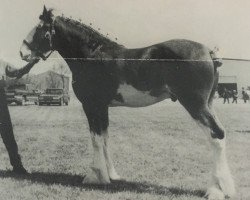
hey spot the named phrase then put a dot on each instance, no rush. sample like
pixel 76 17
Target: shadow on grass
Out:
pixel 116 186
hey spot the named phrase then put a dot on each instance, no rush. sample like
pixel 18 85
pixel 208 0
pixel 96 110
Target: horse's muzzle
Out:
pixel 25 53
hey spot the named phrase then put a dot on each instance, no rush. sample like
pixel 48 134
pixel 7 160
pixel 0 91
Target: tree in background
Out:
pixel 62 70
pixel 52 81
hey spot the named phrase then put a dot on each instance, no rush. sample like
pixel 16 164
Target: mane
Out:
pixel 81 30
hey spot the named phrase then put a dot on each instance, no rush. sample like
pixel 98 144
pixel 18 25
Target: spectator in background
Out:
pixel 244 95
pixel 235 96
pixel 226 95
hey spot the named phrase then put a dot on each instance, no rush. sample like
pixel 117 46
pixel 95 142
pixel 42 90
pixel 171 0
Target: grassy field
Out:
pixel 158 150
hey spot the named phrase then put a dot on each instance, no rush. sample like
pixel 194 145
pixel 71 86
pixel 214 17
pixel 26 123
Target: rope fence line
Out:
pixel 145 59
pixel 129 59
pixel 235 59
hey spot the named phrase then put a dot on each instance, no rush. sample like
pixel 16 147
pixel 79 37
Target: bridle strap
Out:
pixel 39 53
pixel 45 57
pixel 28 45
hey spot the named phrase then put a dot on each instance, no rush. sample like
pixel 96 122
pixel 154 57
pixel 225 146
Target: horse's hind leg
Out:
pixel 222 183
pixel 221 175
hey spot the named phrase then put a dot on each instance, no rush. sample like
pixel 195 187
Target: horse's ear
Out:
pixel 45 11
pixel 46 15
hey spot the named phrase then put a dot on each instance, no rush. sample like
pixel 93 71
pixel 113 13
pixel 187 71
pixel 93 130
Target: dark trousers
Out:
pixel 234 100
pixel 226 99
pixel 6 132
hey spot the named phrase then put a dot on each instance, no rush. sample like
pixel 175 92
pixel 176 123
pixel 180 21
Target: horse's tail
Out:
pixel 217 61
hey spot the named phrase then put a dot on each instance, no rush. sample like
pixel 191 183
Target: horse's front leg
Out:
pixel 110 165
pixel 102 169
pixel 98 173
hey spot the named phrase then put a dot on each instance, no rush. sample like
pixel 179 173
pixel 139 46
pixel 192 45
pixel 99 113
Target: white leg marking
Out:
pixel 221 175
pixel 222 183
pixel 213 193
pixel 99 173
pixel 110 165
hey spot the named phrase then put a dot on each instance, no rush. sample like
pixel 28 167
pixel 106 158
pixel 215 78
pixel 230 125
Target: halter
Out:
pixel 38 52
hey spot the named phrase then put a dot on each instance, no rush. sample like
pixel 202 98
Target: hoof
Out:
pixel 96 177
pixel 20 170
pixel 228 188
pixel 120 180
pixel 115 177
pixel 214 194
pixel 226 185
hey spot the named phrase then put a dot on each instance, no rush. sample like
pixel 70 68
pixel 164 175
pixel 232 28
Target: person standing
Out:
pixel 7 135
pixel 235 96
pixel 244 95
pixel 226 96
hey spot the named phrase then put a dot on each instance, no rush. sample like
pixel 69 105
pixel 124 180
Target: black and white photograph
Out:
pixel 124 100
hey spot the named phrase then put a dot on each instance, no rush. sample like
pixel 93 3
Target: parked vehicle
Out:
pixel 21 94
pixel 54 96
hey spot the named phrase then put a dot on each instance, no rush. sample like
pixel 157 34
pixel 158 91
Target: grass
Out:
pixel 159 151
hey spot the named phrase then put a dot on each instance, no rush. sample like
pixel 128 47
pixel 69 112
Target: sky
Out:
pixel 136 23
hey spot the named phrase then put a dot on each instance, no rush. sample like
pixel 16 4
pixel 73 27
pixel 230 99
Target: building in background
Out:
pixel 228 82
pixel 234 74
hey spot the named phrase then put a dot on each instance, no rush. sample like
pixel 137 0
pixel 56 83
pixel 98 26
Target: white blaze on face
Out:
pixel 25 52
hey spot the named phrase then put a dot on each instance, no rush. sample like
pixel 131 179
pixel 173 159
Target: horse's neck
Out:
pixel 72 43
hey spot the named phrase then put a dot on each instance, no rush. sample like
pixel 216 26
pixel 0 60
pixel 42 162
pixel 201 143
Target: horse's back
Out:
pixel 177 62
pixel 183 49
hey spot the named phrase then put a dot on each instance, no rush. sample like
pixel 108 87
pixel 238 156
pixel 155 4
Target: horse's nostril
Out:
pixel 21 54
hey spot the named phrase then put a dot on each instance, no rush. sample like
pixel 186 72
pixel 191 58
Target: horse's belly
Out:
pixel 129 96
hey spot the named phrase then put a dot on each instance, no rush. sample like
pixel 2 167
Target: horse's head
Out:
pixel 38 42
